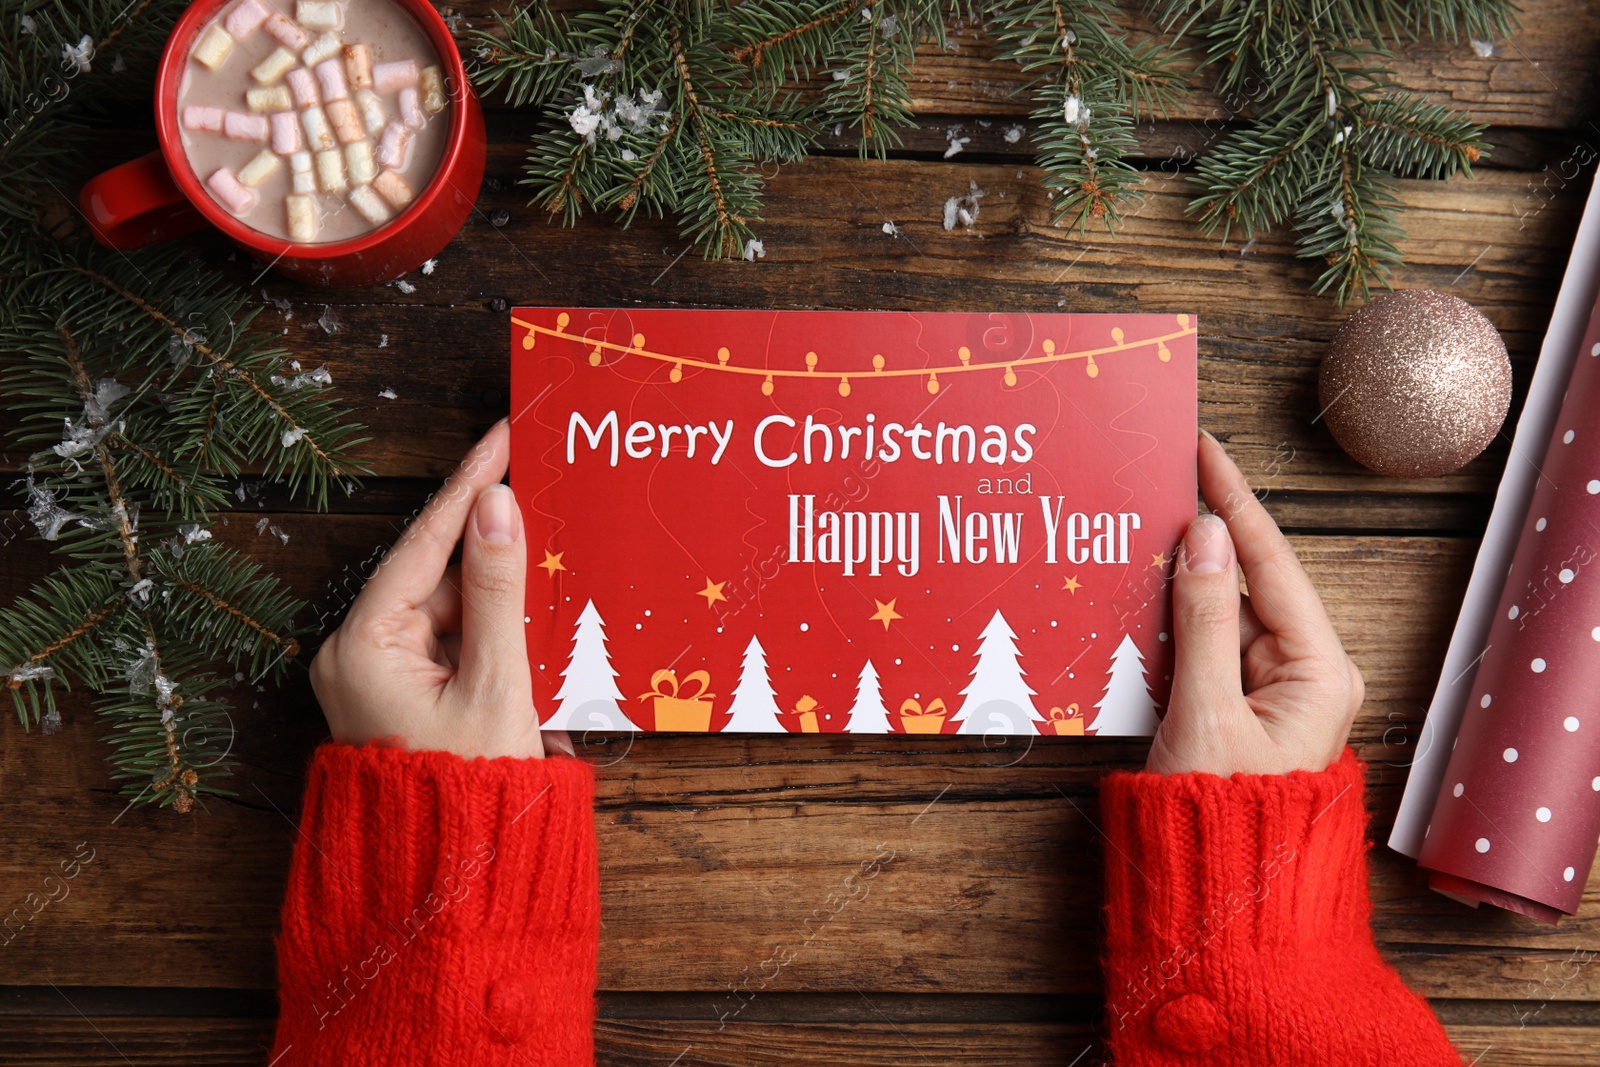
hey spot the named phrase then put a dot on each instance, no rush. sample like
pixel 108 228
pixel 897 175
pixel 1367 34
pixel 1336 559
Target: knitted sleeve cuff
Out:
pixel 1202 868
pixel 433 898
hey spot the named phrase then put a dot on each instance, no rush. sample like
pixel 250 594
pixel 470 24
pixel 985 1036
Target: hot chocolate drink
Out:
pixel 313 121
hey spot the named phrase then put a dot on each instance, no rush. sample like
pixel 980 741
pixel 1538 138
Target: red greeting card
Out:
pixel 863 522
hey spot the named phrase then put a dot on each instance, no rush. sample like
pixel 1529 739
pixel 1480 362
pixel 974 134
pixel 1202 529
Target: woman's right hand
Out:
pixel 1261 685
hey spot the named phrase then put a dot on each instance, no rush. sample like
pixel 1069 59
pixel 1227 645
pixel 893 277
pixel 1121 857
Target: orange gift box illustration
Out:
pixel 806 708
pixel 1063 722
pixel 680 711
pixel 916 719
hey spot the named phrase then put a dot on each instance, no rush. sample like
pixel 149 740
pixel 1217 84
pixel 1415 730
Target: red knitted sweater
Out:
pixel 444 912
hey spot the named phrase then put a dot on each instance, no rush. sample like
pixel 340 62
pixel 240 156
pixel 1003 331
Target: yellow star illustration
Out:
pixel 1159 560
pixel 886 613
pixel 552 563
pixel 712 592
pixel 1073 585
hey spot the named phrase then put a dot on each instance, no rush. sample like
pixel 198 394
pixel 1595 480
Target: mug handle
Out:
pixel 138 204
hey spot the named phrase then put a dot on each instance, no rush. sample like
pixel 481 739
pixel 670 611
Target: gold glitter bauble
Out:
pixel 1415 384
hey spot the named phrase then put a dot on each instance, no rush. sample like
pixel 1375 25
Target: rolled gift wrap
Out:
pixel 1517 814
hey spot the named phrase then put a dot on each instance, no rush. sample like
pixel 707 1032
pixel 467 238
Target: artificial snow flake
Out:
pixel 117 65
pixel 428 266
pixel 139 592
pixel 889 26
pixel 383 340
pixel 1333 102
pixel 292 437
pixel 328 320
pixel 891 229
pixel 51 724
pixel 388 393
pixel 754 250
pixel 261 525
pixel 404 286
pixel 23 673
pixel 320 376
pixel 28 25
pixel 192 532
pixel 79 54
pixel 1013 134
pixel 956 141
pixel 1483 49
pixel 963 209
pixel 629 155
pixel 1071 109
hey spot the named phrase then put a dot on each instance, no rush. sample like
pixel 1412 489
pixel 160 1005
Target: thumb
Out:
pixel 1205 609
pixel 494 567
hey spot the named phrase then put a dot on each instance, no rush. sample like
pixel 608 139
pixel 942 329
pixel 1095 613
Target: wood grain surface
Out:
pixel 977 943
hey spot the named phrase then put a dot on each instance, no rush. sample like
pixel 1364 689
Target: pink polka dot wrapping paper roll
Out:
pixel 1517 814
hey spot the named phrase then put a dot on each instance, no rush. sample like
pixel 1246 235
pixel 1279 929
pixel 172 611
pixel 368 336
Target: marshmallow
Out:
pixel 302 212
pixel 392 149
pixel 358 64
pixel 372 116
pixel 320 49
pixel 287 32
pixel 274 66
pixel 330 172
pixel 301 175
pixel 364 200
pixel 346 127
pixel 285 133
pixel 393 188
pixel 303 84
pixel 392 77
pixel 258 169
pixel 431 81
pixel 358 158
pixel 239 126
pixel 319 138
pixel 244 18
pixel 319 14
pixel 226 188
pixel 202 118
pixel 213 47
pixel 268 98
pixel 411 109
pixel 330 76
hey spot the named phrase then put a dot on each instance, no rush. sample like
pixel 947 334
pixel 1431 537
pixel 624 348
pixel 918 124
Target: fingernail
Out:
pixel 498 521
pixel 558 740
pixel 1207 434
pixel 1206 547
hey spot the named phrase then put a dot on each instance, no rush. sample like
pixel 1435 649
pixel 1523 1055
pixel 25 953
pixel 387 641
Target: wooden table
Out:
pixel 977 943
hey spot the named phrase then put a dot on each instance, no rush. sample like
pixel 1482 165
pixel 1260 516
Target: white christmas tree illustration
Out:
pixel 868 715
pixel 998 699
pixel 754 708
pixel 1127 709
pixel 587 699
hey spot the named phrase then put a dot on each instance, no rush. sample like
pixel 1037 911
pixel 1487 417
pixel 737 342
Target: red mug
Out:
pixel 159 197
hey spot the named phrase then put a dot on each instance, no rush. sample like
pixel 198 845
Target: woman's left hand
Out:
pixel 431 656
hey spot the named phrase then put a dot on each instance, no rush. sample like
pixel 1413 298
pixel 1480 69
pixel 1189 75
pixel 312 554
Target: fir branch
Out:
pixel 137 386
pixel 1332 130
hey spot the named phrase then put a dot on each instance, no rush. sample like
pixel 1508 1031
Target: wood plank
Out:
pixel 1493 240
pixel 1540 77
pixel 117 1041
pixel 705 838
